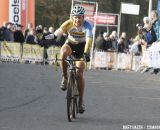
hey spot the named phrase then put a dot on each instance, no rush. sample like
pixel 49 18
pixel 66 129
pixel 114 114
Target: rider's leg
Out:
pixel 64 52
pixel 81 82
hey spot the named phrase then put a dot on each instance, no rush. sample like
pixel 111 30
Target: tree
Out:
pixel 54 12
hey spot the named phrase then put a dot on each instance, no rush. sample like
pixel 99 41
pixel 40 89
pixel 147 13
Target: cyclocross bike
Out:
pixel 72 88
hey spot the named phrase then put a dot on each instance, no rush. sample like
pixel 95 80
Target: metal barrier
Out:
pixel 26 53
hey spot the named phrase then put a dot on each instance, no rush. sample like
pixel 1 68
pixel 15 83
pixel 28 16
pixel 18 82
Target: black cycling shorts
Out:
pixel 77 49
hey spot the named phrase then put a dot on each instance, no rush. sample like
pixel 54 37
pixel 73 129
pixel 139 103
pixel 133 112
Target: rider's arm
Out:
pixel 63 28
pixel 89 36
pixel 88 44
pixel 60 31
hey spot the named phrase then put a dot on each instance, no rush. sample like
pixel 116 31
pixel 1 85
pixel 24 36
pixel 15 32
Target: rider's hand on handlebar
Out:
pixel 86 57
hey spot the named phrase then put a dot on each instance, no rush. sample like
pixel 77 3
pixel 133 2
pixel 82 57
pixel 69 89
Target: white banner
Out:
pixel 124 61
pixel 127 8
pixel 136 63
pixel 154 55
pixel 100 59
pixel 15 11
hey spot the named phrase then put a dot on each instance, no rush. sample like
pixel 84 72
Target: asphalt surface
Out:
pixel 30 99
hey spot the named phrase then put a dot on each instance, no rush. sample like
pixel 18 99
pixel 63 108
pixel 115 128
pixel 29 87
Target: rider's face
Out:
pixel 78 20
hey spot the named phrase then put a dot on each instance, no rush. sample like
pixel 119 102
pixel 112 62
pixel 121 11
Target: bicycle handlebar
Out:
pixel 69 60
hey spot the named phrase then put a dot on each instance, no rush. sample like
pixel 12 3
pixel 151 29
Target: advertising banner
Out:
pixel 10 50
pixel 154 55
pixel 52 52
pixel 24 8
pixel 127 8
pixel 89 9
pixel 32 53
pixel 103 18
pixel 15 11
pixel 111 60
pixel 124 61
pixel 18 11
pixel 136 63
pixel 100 60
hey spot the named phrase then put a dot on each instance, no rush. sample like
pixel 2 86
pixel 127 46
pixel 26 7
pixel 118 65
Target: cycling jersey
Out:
pixel 77 34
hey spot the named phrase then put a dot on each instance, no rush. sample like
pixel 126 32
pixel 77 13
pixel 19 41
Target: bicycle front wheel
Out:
pixel 70 99
pixel 76 95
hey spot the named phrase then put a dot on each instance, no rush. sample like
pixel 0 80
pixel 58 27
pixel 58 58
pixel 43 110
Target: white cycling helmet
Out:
pixel 77 10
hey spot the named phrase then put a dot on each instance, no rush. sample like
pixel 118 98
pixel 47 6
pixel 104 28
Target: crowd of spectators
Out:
pixel 111 42
pixel 36 36
pixel 148 32
pixel 14 33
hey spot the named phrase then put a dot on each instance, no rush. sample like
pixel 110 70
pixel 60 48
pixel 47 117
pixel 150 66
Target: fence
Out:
pixel 16 52
pixel 113 60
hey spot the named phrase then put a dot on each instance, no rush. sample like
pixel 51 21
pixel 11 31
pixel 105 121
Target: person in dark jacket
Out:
pixel 18 34
pixel 3 31
pixel 10 32
pixel 100 42
pixel 31 38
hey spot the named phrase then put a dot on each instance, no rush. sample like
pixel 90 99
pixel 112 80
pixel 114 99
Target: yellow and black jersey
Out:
pixel 77 34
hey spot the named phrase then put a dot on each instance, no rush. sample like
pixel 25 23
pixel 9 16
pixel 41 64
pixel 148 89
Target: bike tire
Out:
pixel 75 107
pixel 76 95
pixel 70 101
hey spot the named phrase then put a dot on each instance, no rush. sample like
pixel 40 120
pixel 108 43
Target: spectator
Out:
pixel 114 39
pixel 149 34
pixel 39 34
pixel 3 31
pixel 50 31
pixel 45 31
pixel 136 48
pixel 108 44
pixel 100 42
pixel 9 32
pixel 31 38
pixel 18 34
pixel 47 41
pixel 27 30
pixel 155 21
pixel 123 45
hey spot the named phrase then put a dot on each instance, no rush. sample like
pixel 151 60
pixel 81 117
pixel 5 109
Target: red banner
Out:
pixel 89 9
pixel 24 13
pixel 103 18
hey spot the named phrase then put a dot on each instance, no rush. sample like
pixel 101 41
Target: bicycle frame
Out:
pixel 72 87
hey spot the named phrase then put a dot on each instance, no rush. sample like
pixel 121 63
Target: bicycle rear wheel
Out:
pixel 70 99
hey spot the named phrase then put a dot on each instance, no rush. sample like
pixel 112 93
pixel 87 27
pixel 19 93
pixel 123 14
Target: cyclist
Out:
pixel 79 40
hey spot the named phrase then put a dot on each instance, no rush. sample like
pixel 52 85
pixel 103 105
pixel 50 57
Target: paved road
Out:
pixel 30 99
